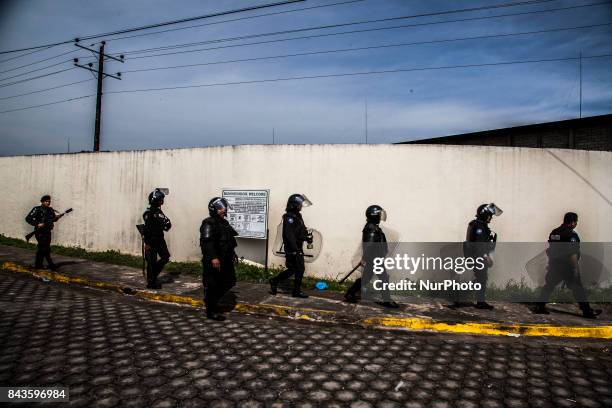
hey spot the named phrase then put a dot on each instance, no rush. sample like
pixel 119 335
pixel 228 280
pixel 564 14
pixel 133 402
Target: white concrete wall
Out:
pixel 430 192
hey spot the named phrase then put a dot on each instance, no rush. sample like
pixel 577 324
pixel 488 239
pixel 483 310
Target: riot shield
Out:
pixel 393 240
pixel 311 251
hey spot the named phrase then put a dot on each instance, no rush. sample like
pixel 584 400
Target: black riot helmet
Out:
pixel 485 211
pixel 375 214
pixel 297 201
pixel 218 203
pixel 156 197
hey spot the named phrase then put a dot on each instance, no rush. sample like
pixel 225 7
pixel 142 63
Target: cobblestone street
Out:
pixel 111 350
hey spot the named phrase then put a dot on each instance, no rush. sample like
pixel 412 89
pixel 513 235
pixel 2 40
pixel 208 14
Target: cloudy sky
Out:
pixel 406 104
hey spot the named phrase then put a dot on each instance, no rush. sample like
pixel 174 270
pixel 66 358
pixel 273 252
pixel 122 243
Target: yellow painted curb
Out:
pixel 416 324
pixel 499 329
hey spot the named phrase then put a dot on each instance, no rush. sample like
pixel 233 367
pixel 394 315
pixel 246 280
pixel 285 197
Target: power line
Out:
pixel 47 104
pixel 37 62
pixel 34 70
pixel 491 64
pixel 26 54
pixel 322 76
pixel 297 30
pixel 367 30
pixel 46 89
pixel 367 48
pixel 146 27
pixel 36 77
pixel 236 19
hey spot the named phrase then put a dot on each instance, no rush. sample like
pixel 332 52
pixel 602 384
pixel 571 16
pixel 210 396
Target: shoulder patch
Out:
pixel 573 239
pixel 290 220
pixel 479 231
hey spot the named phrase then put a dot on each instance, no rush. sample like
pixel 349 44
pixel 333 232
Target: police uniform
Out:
pixel 564 243
pixel 479 242
pixel 217 241
pixel 155 223
pixel 295 234
pixel 42 215
pixel 374 246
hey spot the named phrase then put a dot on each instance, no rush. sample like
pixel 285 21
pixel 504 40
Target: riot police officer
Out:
pixel 218 243
pixel 42 218
pixel 374 246
pixel 295 234
pixel 479 243
pixel 563 257
pixel 155 224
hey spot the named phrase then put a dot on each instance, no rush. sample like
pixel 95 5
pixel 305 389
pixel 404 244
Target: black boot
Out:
pixel 300 295
pixel 389 304
pixel 350 298
pixel 273 286
pixel 461 303
pixel 541 309
pixel 154 285
pixel 215 316
pixel 591 313
pixel 483 305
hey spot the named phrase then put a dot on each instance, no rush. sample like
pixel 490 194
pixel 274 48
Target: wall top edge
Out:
pixel 325 145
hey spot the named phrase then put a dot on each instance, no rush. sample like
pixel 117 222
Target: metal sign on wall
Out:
pixel 249 213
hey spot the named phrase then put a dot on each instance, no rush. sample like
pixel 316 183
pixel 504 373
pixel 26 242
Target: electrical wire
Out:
pixel 363 31
pixel 236 19
pixel 345 74
pixel 322 27
pixel 47 104
pixel 366 48
pixel 36 77
pixel 146 27
pixel 45 90
pixel 491 64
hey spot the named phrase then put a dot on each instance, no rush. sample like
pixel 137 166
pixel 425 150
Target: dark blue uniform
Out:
pixel 374 244
pixel 295 234
pixel 479 242
pixel 564 244
pixel 155 224
pixel 42 215
pixel 217 241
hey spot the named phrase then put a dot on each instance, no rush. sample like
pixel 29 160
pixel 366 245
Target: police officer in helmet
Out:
pixel 295 234
pixel 42 218
pixel 563 266
pixel 156 250
pixel 218 243
pixel 479 243
pixel 374 246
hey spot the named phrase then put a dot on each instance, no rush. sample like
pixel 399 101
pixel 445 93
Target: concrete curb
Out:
pixel 327 316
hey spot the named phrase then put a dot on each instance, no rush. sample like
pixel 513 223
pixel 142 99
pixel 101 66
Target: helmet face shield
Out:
pixel 494 210
pixel 165 191
pixel 383 215
pixel 221 203
pixel 305 201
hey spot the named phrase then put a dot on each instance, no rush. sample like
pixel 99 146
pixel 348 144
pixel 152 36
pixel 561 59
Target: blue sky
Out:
pixel 401 106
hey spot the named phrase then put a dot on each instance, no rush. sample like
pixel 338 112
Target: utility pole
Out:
pixel 366 120
pixel 580 84
pixel 101 56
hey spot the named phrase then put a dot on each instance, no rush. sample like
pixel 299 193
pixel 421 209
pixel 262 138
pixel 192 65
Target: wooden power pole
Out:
pixel 101 56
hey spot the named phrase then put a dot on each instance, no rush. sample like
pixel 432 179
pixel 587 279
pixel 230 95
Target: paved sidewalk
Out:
pixel 324 306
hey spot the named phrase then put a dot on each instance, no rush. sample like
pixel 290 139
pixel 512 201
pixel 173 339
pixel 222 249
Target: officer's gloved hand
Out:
pixel 167 224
